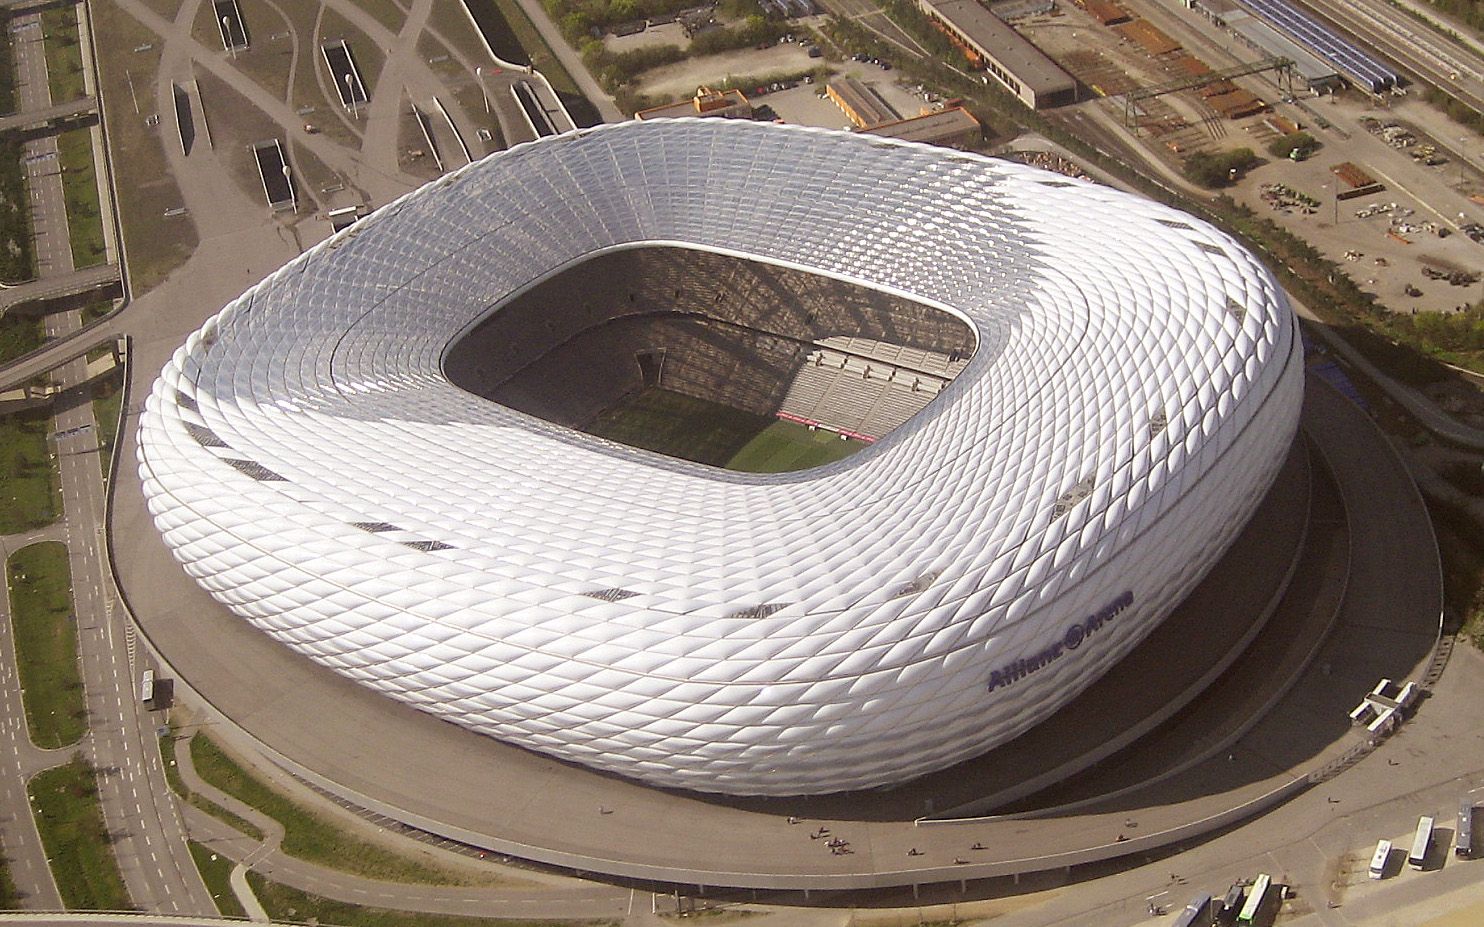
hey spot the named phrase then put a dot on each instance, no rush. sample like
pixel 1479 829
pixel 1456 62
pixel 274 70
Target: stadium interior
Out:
pixel 695 354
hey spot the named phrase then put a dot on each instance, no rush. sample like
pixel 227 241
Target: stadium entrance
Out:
pixel 712 358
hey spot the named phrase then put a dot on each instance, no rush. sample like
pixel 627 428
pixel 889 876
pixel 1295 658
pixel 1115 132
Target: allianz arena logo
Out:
pixel 1076 634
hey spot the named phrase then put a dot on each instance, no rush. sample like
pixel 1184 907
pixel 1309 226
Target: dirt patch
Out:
pixel 155 243
pixel 682 78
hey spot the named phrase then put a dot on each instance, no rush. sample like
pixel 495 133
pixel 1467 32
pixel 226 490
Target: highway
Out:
pixel 148 836
pixel 1410 45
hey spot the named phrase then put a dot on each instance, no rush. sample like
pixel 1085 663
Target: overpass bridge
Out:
pixel 56 117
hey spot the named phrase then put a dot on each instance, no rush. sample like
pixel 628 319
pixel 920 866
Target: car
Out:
pixel 814 51
pixel 886 65
pixel 485 135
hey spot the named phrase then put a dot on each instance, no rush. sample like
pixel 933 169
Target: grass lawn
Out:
pixel 40 584
pixel 9 897
pixel 216 870
pixel 541 56
pixel 178 786
pixel 17 257
pixel 680 426
pixel 289 904
pixel 108 393
pixel 785 446
pixel 20 333
pixel 308 835
pixel 65 800
pixel 7 79
pixel 96 310
pixel 80 190
pixel 29 494
pixel 63 53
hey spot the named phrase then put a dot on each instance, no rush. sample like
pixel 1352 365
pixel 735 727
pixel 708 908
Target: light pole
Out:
pixel 479 73
pixel 288 179
pixel 350 94
pixel 227 36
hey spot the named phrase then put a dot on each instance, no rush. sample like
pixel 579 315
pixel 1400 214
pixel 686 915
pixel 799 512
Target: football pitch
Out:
pixel 785 446
pixel 711 433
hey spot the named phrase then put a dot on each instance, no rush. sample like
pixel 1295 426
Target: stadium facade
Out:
pixel 1134 385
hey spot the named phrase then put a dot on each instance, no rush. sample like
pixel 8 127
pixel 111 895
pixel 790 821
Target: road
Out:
pixel 147 832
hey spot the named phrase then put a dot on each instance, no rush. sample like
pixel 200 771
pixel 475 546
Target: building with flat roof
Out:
pixel 954 127
pixel 725 104
pixel 1317 74
pixel 860 102
pixel 1010 58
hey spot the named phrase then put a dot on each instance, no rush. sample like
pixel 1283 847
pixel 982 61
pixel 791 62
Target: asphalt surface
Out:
pixel 146 831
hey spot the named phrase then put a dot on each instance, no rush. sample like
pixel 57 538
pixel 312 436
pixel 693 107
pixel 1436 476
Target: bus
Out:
pixel 147 689
pixel 1255 899
pixel 1195 913
pixel 1380 858
pixel 1463 845
pixel 1421 843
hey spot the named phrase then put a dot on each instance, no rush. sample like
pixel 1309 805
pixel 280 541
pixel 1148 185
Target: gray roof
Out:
pixel 1010 49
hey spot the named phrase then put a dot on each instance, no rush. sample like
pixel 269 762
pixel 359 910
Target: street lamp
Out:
pixel 350 94
pixel 479 73
pixel 227 36
pixel 288 179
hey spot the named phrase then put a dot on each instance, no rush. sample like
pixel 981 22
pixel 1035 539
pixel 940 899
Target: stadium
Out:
pixel 730 457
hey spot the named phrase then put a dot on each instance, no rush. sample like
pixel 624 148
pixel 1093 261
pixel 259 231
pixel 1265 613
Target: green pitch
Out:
pixel 785 446
pixel 711 433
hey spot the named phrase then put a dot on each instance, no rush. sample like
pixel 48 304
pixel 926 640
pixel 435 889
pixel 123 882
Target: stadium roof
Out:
pixel 1135 386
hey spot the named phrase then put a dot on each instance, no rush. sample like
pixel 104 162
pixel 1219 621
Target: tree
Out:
pixel 1285 145
pixel 1218 169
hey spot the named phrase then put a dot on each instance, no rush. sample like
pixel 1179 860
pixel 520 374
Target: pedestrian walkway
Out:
pixel 526 893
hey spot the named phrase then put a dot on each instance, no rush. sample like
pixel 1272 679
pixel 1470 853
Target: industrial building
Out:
pixel 1004 54
pixel 721 104
pixel 951 127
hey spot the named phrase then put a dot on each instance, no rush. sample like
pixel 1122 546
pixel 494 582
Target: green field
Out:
pixel 711 433
pixel 786 446
pixel 20 333
pixel 290 904
pixel 108 393
pixel 680 426
pixel 29 493
pixel 65 799
pixel 40 584
pixel 216 872
pixel 80 191
pixel 311 837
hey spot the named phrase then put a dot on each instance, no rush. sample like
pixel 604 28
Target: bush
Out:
pixel 16 262
pixel 1218 169
pixel 755 30
pixel 1285 145
pixel 1456 109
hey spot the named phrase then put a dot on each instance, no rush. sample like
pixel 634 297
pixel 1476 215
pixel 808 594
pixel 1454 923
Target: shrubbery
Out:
pixel 16 261
pixel 1285 145
pixel 1218 169
pixel 1456 109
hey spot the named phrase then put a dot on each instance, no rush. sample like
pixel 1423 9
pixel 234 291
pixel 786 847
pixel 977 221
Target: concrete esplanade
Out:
pixel 1286 585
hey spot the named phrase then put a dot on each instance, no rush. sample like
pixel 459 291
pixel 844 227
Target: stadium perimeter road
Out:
pixel 530 806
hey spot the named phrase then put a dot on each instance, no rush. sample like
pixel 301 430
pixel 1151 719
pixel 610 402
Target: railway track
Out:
pixel 1410 45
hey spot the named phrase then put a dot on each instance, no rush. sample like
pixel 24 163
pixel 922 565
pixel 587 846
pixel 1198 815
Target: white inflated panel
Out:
pixel 1135 387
